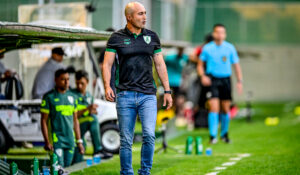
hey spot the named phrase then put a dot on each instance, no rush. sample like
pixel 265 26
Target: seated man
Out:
pixel 87 116
pixel 59 108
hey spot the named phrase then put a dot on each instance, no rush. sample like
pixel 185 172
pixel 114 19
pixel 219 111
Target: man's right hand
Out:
pixel 205 80
pixel 81 148
pixel 48 147
pixel 109 94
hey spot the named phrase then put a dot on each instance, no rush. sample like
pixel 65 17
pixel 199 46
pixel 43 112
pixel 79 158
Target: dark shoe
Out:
pixel 103 154
pixel 225 138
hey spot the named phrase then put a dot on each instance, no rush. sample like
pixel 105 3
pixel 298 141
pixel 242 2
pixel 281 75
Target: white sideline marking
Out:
pixel 233 160
pixel 212 173
pixel 244 155
pixel 220 168
pixel 228 163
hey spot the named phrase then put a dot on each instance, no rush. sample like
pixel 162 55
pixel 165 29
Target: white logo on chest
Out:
pixel 71 99
pixel 147 39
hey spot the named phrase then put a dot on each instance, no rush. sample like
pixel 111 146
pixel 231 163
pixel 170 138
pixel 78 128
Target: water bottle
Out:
pixel 189 145
pixel 35 167
pixel 199 146
pixel 54 164
pixel 13 169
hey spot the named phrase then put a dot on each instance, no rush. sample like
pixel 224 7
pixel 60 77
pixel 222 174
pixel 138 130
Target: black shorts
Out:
pixel 220 88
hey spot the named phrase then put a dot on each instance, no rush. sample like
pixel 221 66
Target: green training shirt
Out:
pixel 60 108
pixel 83 102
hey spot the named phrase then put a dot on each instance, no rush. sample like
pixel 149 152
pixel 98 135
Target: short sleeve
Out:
pixel 111 45
pixel 157 45
pixel 76 104
pixel 234 56
pixel 45 106
pixel 203 55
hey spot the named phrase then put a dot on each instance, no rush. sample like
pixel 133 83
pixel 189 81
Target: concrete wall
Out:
pixel 272 73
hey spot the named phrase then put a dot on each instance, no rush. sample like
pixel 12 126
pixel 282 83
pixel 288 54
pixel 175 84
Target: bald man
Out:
pixel 136 48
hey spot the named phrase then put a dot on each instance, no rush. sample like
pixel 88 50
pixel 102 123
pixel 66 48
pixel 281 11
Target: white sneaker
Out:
pixel 213 140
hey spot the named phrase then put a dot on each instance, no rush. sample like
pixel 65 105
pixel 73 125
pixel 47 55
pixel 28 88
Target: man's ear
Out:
pixel 129 17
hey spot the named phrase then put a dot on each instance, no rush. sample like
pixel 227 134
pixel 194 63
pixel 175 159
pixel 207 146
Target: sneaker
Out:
pixel 62 171
pixel 225 138
pixel 27 145
pixel 103 154
pixel 213 140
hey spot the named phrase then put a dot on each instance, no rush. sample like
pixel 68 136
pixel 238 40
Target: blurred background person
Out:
pixel 198 91
pixel 202 97
pixel 219 56
pixel 175 64
pixel 44 79
pixel 198 50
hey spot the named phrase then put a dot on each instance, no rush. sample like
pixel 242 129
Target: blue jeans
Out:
pixel 129 105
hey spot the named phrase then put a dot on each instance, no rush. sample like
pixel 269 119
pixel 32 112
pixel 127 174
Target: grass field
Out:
pixel 272 149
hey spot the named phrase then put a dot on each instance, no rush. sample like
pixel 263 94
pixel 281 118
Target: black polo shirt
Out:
pixel 135 53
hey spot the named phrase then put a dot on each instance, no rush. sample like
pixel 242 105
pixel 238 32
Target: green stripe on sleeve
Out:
pixel 45 110
pixel 157 51
pixel 110 50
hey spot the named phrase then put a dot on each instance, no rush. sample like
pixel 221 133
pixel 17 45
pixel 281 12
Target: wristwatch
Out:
pixel 79 141
pixel 168 92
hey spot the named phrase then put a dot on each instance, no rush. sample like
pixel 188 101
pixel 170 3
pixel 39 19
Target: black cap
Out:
pixel 58 50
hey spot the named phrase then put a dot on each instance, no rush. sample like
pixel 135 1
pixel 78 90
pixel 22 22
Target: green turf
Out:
pixel 273 149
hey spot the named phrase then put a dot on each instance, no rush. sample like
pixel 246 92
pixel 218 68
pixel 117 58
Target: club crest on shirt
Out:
pixel 147 39
pixel 224 58
pixel 71 99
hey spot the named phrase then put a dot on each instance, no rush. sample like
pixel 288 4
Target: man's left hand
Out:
pixel 168 101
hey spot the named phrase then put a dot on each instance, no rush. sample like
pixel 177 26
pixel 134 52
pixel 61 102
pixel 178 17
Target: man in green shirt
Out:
pixel 87 111
pixel 59 120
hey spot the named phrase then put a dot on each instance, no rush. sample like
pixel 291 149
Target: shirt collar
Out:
pixel 130 33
